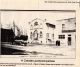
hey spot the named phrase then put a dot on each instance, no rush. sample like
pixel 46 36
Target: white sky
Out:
pixel 21 19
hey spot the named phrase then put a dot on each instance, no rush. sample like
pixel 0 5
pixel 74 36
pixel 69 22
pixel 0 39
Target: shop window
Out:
pixel 61 36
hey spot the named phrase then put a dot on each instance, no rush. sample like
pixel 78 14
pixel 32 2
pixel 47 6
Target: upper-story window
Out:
pixel 41 34
pixel 63 26
pixel 36 23
pixel 47 35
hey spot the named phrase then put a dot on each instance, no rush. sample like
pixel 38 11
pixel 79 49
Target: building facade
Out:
pixel 66 31
pixel 41 32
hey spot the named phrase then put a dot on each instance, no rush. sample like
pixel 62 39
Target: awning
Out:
pixel 66 31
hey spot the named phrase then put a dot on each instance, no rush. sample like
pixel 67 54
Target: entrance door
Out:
pixel 69 40
pixel 35 35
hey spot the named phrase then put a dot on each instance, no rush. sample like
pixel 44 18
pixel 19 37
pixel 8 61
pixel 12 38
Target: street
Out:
pixel 58 51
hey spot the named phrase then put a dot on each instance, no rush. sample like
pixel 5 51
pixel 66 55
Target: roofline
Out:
pixel 66 19
pixel 36 19
pixel 41 20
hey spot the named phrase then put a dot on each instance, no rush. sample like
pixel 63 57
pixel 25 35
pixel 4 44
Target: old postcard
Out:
pixel 39 33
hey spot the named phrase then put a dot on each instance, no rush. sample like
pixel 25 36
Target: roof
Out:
pixel 50 25
pixel 37 19
pixel 66 19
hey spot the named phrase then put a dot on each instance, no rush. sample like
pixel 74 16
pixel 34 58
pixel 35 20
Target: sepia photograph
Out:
pixel 39 32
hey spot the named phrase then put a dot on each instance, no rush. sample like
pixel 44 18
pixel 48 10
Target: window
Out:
pixel 61 36
pixel 36 23
pixel 31 35
pixel 47 35
pixel 53 36
pixel 75 24
pixel 69 35
pixel 40 34
pixel 41 41
pixel 63 26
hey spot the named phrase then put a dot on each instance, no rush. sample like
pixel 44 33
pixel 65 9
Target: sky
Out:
pixel 21 18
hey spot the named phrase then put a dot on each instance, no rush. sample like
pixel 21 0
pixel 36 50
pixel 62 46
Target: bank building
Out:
pixel 41 32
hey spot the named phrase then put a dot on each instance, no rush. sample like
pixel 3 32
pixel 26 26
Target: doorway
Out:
pixel 35 35
pixel 69 40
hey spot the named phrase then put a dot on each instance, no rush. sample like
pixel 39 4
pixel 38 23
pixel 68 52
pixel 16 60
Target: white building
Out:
pixel 41 32
pixel 66 31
